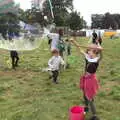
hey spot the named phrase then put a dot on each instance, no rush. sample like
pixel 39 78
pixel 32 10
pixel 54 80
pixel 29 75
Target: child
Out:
pixel 88 82
pixel 15 58
pixel 68 47
pixel 54 63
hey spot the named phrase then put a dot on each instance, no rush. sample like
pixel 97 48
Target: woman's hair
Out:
pixel 55 51
pixel 60 31
pixel 66 40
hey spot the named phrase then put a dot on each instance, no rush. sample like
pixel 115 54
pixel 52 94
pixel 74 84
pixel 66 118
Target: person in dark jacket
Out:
pixel 15 58
pixel 94 37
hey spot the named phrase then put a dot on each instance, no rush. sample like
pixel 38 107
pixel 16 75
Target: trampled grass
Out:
pixel 28 94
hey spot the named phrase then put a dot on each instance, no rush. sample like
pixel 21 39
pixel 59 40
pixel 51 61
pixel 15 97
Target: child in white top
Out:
pixel 54 64
pixel 55 40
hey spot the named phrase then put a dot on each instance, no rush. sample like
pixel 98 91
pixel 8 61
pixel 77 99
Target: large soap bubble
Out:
pixel 29 40
pixel 30 36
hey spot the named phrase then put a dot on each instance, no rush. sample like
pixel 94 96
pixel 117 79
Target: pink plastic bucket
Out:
pixel 76 113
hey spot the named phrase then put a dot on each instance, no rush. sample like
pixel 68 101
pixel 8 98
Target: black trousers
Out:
pixel 55 75
pixel 91 104
pixel 69 51
pixel 15 60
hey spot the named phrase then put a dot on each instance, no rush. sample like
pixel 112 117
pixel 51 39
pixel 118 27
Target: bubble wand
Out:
pixel 91 46
pixel 51 8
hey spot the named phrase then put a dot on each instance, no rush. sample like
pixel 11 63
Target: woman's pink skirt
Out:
pixel 89 84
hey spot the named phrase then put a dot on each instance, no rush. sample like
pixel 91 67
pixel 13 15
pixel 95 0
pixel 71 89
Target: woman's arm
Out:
pixel 92 46
pixel 101 56
pixel 78 46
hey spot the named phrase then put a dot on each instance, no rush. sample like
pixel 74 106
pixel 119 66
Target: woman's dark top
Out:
pixel 13 53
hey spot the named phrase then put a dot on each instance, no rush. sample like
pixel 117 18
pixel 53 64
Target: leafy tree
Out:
pixel 76 22
pixel 109 21
pixel 117 19
pixel 33 15
pixel 106 21
pixel 8 19
pixel 97 20
pixel 60 10
pixel 9 23
pixel 3 25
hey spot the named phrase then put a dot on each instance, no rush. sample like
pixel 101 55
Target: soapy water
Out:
pixel 29 40
pixel 24 42
pixel 20 44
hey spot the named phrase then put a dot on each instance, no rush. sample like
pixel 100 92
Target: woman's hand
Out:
pixel 75 43
pixel 93 46
pixel 100 48
pixel 72 40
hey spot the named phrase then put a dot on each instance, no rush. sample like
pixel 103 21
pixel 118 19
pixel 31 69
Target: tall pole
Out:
pixel 51 8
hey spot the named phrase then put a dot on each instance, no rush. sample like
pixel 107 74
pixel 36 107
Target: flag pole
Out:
pixel 51 8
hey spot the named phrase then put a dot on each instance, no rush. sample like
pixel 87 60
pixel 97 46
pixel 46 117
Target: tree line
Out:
pixel 63 10
pixel 106 21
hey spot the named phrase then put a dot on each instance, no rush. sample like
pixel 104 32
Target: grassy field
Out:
pixel 28 94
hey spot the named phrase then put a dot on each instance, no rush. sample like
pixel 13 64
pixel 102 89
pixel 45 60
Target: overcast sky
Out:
pixel 87 7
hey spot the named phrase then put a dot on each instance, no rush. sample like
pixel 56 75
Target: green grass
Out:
pixel 28 94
